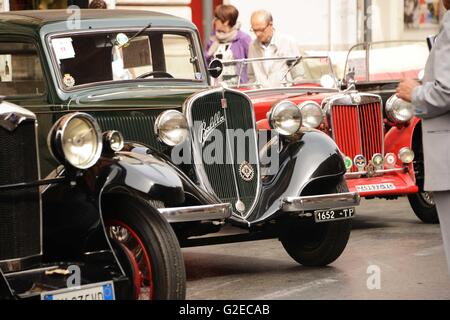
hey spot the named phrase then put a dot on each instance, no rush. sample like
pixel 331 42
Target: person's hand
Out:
pixel 405 89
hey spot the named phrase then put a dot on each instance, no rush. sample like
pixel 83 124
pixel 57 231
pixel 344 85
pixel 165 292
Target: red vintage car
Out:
pixel 377 133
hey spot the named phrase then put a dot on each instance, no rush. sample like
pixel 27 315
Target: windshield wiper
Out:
pixel 137 34
pixel 291 63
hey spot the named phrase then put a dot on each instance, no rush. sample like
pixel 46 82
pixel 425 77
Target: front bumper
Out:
pixel 396 182
pixel 197 213
pixel 322 202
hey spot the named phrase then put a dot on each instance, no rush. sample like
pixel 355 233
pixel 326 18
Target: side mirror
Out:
pixel 215 68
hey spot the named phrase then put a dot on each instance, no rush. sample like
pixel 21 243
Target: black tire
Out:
pixel 424 209
pixel 153 242
pixel 420 202
pixel 317 244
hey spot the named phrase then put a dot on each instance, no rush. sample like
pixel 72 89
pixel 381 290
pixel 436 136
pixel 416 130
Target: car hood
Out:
pixel 134 96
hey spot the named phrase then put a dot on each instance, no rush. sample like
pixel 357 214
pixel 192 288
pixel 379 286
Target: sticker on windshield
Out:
pixel 63 48
pixel 69 81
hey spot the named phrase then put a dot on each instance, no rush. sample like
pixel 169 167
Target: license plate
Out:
pixel 97 291
pixel 375 187
pixel 333 215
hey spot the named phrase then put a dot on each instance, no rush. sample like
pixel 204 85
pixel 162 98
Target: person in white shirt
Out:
pixel 270 44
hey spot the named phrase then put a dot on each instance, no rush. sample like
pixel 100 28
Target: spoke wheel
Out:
pixel 153 251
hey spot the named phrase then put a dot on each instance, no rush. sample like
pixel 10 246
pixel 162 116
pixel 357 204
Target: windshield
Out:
pixel 279 72
pixel 90 57
pixel 387 61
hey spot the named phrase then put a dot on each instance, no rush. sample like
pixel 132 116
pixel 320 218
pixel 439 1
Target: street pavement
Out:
pixel 390 255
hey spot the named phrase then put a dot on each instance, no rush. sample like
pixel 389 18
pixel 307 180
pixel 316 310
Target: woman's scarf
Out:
pixel 222 37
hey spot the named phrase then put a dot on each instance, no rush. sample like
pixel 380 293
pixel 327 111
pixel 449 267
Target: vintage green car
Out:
pixel 192 152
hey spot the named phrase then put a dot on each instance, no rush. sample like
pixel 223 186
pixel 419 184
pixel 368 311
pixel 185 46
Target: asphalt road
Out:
pixel 390 255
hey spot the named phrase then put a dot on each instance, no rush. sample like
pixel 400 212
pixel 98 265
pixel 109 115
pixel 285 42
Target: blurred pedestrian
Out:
pixel 228 43
pixel 432 102
pixel 271 44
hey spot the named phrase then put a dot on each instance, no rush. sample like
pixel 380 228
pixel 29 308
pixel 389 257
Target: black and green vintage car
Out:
pixel 192 152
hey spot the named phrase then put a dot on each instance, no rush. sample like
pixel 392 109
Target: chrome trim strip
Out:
pixel 12 274
pixel 39 190
pixel 295 90
pixel 198 158
pixel 14 265
pixel 197 213
pixel 362 173
pixel 322 202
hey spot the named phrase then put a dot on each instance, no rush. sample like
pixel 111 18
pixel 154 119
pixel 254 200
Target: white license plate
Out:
pixel 333 215
pixel 97 291
pixel 375 187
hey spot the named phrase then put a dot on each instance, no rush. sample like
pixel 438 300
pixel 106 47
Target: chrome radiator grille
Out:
pixel 20 212
pixel 225 178
pixel 358 129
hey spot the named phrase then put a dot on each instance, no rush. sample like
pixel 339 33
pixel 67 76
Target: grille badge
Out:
pixel 240 206
pixel 246 171
pixel 360 162
pixel 356 98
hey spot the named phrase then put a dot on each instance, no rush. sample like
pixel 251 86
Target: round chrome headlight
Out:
pixel 406 155
pixel 286 118
pixel 76 139
pixel 312 114
pixel 172 128
pixel 398 110
pixel 113 141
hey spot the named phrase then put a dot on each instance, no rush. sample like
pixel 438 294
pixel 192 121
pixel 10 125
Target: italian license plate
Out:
pixel 333 215
pixel 375 187
pixel 97 291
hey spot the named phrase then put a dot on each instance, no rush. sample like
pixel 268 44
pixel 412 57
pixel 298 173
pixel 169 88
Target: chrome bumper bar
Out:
pixel 350 175
pixel 197 213
pixel 322 202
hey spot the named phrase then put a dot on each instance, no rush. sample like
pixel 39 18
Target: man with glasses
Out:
pixel 270 44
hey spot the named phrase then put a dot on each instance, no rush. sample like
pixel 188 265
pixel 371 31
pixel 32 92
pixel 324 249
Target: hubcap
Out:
pixel 129 239
pixel 428 198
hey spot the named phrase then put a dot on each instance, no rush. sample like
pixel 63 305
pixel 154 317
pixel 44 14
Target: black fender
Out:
pixel 309 165
pixel 153 176
pixel 72 223
pixel 143 174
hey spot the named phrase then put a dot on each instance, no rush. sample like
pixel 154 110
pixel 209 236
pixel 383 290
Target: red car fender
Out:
pixel 398 138
pixel 263 125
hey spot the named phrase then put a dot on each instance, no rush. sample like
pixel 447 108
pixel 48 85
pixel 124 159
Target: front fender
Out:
pixel 310 165
pixel 397 138
pixel 144 174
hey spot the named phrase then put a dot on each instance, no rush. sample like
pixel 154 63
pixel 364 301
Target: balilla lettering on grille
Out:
pixel 229 146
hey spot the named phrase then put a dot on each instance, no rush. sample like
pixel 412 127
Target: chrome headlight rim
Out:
pixel 57 136
pixel 394 106
pixel 406 155
pixel 163 119
pixel 305 117
pixel 276 119
pixel 113 141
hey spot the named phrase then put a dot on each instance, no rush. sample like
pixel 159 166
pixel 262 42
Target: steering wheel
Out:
pixel 162 74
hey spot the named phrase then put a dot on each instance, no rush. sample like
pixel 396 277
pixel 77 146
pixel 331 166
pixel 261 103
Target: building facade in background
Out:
pixel 316 25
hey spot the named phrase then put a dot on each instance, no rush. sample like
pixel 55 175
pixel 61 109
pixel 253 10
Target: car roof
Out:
pixel 36 19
